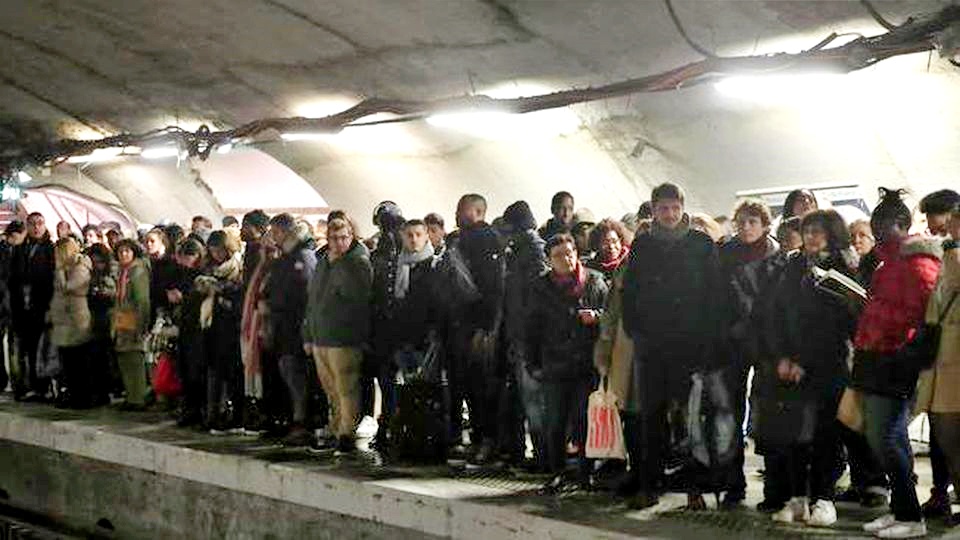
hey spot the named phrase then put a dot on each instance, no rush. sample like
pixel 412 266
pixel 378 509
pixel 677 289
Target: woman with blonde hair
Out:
pixel 71 322
pixel 707 225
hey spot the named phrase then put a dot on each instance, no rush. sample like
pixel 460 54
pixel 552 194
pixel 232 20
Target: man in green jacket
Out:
pixel 337 326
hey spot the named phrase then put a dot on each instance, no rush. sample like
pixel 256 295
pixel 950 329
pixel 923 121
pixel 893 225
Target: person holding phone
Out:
pixel 562 325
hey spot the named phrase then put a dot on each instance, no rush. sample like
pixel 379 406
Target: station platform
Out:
pixel 109 474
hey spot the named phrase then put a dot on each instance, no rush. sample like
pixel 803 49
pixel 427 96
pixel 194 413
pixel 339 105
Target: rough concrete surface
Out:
pixel 155 480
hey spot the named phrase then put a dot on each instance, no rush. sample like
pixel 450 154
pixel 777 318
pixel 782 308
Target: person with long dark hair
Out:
pixel 899 291
pixel 809 328
pixel 799 203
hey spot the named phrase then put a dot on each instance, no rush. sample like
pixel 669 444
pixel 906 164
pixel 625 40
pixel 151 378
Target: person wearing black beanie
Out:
pixel 525 262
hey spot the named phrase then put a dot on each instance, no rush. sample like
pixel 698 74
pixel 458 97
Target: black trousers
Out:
pixel 28 338
pixel 938 462
pixel 78 373
pixel 737 377
pixel 566 405
pixel 945 427
pixel 663 379
pixel 192 371
pixel 476 377
pixel 224 381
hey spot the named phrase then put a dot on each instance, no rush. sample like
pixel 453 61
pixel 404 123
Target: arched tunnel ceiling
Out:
pixel 83 67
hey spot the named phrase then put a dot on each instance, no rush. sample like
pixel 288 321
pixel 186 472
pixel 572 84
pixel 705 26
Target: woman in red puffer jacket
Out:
pixel 899 291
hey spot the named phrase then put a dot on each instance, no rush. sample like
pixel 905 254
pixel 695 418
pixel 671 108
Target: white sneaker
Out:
pixel 880 523
pixel 822 514
pixel 795 511
pixel 904 529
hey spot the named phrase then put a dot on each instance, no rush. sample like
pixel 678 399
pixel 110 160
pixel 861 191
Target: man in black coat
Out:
pixel 286 296
pixel 671 309
pixel 525 262
pixel 475 370
pixel 14 235
pixel 31 290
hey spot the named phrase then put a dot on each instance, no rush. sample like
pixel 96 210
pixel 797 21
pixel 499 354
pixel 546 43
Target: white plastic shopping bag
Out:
pixel 604 431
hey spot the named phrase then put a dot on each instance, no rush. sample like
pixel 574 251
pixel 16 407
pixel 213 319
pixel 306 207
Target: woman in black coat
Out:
pixel 562 326
pixel 808 333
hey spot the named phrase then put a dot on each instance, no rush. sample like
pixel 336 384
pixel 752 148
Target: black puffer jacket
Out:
pixel 673 294
pixel 525 262
pixel 419 311
pixel 286 293
pixel 558 346
pixel 810 326
pixel 482 251
pixel 745 273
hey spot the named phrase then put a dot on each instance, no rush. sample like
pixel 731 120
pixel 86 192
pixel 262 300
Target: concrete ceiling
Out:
pixel 88 67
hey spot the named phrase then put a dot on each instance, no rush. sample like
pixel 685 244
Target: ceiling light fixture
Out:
pixel 306 136
pixel 160 152
pixel 97 156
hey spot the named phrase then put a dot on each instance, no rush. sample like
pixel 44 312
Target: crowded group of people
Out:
pixel 283 328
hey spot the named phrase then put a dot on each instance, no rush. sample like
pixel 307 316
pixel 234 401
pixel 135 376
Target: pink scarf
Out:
pixel 573 283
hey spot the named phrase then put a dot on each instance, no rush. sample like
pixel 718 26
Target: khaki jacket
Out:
pixel 613 351
pixel 938 387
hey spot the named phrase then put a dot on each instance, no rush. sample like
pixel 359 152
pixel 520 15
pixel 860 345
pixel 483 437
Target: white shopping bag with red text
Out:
pixel 604 431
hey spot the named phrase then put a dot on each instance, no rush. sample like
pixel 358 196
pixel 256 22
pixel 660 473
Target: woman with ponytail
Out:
pixel 899 291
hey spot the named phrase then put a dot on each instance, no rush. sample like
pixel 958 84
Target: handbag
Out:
pixel 850 410
pixel 164 378
pixel 604 430
pixel 125 320
pixel 920 353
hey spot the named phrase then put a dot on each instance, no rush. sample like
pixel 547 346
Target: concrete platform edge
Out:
pixel 364 500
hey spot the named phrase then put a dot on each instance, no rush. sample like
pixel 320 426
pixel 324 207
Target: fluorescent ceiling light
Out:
pixel 500 125
pixel 160 152
pixel 23 177
pixel 785 88
pixel 98 155
pixel 10 193
pixel 307 136
pixel 480 119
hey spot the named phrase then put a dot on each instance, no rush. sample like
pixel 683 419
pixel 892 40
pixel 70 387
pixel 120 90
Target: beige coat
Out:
pixel 613 351
pixel 939 388
pixel 69 315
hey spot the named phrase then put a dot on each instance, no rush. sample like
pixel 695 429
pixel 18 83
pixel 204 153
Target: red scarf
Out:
pixel 609 266
pixel 573 283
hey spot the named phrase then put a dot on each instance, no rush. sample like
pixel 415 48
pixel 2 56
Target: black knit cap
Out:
pixel 258 219
pixel 519 216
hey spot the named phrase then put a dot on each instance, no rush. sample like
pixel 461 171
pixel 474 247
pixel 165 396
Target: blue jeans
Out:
pixel 886 431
